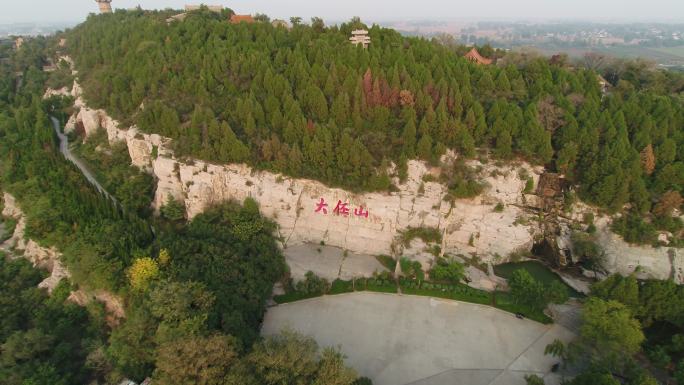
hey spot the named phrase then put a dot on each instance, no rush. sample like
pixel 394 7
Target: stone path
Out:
pixel 399 339
pixel 64 149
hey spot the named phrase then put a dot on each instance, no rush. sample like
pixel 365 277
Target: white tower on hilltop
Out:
pixel 105 6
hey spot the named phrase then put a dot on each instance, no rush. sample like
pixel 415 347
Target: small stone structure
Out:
pixel 360 36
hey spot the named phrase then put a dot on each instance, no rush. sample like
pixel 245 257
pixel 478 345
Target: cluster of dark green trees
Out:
pixel 623 317
pixel 133 188
pixel 194 292
pixel 307 103
pixel 528 291
pixel 43 339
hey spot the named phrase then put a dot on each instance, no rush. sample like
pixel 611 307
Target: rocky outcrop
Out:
pixel 50 259
pixel 645 261
pixel 64 91
pixel 470 227
pixel 40 257
pixel 113 305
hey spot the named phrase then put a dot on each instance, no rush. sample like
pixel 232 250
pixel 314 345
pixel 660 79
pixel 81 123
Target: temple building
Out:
pixel 237 19
pixel 475 57
pixel 360 36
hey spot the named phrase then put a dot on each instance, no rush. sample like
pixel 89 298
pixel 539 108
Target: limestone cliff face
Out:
pixel 469 226
pixel 643 261
pixel 40 257
pixel 50 259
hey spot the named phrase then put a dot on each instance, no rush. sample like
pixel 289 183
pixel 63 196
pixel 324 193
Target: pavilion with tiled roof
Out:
pixel 237 19
pixel 475 57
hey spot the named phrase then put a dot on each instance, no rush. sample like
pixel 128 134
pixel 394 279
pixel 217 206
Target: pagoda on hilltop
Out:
pixel 360 36
pixel 475 57
pixel 105 6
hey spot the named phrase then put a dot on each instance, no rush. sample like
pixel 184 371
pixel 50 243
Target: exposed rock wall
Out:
pixel 645 261
pixel 469 226
pixel 50 259
pixel 41 257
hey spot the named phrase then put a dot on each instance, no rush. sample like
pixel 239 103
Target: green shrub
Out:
pixel 173 210
pixel 387 261
pixel 449 271
pixel 634 229
pixel 312 284
pixel 411 269
pixel 10 224
pixel 585 247
pixel 339 286
pixel 529 186
pixel 658 356
pixel 427 234
pixel 461 180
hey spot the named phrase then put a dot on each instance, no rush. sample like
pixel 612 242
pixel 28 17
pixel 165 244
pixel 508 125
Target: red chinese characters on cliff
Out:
pixel 341 209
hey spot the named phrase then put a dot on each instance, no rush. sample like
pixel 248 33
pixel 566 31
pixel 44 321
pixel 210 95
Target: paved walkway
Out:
pixel 399 339
pixel 64 149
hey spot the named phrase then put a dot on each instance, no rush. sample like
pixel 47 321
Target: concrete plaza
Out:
pixel 398 339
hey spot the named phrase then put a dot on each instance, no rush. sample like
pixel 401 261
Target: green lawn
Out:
pixel 293 297
pixel 458 292
pixel 339 287
pixel 537 270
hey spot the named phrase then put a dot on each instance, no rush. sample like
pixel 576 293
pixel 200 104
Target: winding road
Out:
pixel 66 151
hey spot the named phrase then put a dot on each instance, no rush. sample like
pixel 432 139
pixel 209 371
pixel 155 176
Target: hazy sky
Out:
pixel 373 10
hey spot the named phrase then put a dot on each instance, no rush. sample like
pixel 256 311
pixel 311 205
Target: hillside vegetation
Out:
pixel 194 292
pixel 307 103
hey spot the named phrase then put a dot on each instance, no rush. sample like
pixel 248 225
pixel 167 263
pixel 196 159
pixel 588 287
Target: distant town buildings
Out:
pixel 360 36
pixel 196 7
pixel 105 6
pixel 475 57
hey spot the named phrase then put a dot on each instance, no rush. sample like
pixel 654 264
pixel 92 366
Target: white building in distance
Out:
pixel 360 36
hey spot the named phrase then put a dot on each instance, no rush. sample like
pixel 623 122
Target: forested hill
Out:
pixel 307 103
